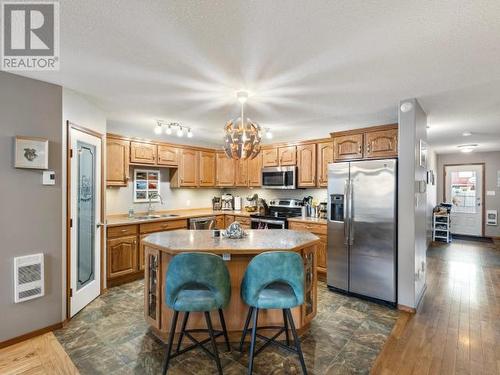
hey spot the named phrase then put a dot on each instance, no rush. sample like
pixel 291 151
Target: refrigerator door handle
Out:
pixel 351 212
pixel 346 212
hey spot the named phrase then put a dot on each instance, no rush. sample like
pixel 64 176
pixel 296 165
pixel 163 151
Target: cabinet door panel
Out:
pixel 228 220
pixel 270 157
pixel 122 256
pixel 225 170
pixel 325 156
pixel 255 171
pixel 288 155
pixel 381 144
pixel 188 168
pixel 207 168
pixel 143 153
pixel 117 162
pixel 241 173
pixel 167 155
pixel 306 158
pixel 348 147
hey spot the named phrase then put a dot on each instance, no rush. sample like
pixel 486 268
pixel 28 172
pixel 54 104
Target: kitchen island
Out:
pixel 161 247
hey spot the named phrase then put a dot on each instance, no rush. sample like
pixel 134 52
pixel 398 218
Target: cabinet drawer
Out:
pixel 121 231
pixel 243 220
pixel 160 226
pixel 309 227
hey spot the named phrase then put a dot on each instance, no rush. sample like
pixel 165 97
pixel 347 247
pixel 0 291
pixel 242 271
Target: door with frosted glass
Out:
pixel 464 190
pixel 85 255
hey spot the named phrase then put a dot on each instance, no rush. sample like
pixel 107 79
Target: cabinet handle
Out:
pixel 368 148
pixel 135 242
pixel 359 149
pixel 123 230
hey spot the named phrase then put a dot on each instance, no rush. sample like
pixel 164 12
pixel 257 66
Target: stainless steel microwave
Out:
pixel 279 177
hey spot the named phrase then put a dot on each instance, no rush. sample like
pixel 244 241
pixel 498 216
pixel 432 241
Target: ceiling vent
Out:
pixel 28 277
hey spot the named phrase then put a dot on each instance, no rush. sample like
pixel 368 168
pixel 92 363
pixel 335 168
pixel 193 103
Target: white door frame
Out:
pixel 69 127
pixel 483 183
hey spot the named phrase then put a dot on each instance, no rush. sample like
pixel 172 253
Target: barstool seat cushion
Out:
pixel 195 300
pixel 277 296
pixel 274 280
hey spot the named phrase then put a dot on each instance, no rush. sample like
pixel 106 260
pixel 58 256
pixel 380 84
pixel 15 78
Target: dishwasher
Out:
pixel 202 222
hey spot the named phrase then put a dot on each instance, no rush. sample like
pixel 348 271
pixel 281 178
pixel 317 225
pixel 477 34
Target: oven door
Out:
pixel 279 177
pixel 268 224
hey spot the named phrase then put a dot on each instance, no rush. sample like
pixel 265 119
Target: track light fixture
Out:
pixel 170 127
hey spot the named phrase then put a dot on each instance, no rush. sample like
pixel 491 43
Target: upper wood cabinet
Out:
pixel 224 170
pixel 270 157
pixel 367 143
pixel 143 153
pixel 241 172
pixel 306 165
pixel 287 155
pixel 187 173
pixel 348 147
pixel 381 144
pixel 324 157
pixel 255 171
pixel 207 168
pixel 167 155
pixel 117 162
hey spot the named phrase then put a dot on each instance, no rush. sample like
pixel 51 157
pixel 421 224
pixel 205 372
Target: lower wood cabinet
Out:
pixel 122 256
pixel 319 230
pixel 220 222
pixel 228 220
pixel 244 221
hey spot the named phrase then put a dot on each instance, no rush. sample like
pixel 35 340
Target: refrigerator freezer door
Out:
pixel 373 229
pixel 338 255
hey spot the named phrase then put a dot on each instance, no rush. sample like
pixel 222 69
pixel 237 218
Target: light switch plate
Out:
pixel 49 178
pixel 491 193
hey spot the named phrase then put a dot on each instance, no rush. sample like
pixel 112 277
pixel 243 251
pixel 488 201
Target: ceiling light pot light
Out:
pixel 157 129
pixel 189 133
pixel 406 107
pixel 242 135
pixel 467 148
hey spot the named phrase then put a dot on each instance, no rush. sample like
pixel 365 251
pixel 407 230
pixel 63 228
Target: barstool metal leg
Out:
pixel 252 342
pixel 214 343
pixel 170 341
pixel 181 335
pixel 285 320
pixel 296 341
pixel 224 330
pixel 245 328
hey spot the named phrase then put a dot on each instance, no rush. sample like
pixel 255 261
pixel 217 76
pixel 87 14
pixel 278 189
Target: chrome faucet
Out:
pixel 150 206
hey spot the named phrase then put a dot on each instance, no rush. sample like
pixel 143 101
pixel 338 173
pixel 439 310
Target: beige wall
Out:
pixel 31 215
pixel 492 167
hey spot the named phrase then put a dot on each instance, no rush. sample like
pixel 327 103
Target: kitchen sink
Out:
pixel 169 215
pixel 147 217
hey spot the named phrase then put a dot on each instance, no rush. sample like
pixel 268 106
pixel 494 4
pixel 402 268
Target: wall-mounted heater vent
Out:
pixel 28 277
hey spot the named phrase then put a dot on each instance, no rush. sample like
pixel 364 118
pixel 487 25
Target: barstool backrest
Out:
pixel 198 270
pixel 272 267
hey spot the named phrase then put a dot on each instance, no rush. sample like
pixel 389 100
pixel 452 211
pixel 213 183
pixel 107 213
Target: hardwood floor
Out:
pixel 39 355
pixel 457 327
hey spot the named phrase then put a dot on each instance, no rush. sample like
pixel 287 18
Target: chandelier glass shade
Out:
pixel 242 137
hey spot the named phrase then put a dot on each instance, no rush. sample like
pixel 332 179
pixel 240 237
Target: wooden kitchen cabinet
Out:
pixel 324 157
pixel 121 256
pixel 220 222
pixel 167 156
pixel 143 153
pixel 255 171
pixel 207 168
pixel 348 147
pixel 306 165
pixel 270 157
pixel 241 172
pixel 228 219
pixel 117 162
pixel 287 155
pixel 381 144
pixel 244 221
pixel 322 253
pixel 319 230
pixel 224 170
pixel 187 173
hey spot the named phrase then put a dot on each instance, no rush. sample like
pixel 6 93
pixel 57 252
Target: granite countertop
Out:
pixel 123 219
pixel 255 242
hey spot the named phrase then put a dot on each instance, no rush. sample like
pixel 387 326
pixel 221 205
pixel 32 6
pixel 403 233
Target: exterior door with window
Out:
pixel 85 238
pixel 464 190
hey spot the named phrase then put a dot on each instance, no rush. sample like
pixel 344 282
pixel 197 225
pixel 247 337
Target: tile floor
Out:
pixel 110 336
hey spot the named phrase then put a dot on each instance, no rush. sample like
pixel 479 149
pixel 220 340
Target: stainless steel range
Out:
pixel 279 211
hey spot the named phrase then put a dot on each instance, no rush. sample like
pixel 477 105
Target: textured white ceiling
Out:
pixel 312 66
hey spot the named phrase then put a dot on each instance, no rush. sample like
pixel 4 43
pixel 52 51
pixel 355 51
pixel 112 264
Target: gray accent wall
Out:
pixel 492 167
pixel 412 206
pixel 31 215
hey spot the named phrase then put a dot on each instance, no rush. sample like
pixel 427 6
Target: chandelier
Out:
pixel 242 135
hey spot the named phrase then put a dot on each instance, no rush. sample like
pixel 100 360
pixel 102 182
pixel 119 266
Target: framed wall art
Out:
pixel 423 154
pixel 31 152
pixel 146 185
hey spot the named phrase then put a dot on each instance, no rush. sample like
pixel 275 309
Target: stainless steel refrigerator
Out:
pixel 362 228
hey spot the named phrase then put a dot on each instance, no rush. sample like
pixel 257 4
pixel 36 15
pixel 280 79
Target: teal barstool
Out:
pixel 197 282
pixel 273 280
